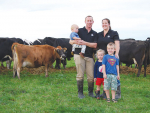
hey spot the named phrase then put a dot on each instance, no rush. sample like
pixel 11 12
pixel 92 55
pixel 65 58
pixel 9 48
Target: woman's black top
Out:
pixel 102 42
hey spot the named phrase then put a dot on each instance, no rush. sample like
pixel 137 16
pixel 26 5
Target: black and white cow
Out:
pixel 38 42
pixel 5 51
pixel 134 52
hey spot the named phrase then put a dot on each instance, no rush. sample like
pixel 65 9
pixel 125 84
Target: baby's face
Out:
pixel 75 29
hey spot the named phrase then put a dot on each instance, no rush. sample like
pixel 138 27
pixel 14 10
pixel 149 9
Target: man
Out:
pixel 86 62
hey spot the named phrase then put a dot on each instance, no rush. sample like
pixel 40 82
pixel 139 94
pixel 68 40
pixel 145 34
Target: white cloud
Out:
pixel 32 19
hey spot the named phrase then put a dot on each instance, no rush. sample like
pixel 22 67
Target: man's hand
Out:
pixel 81 42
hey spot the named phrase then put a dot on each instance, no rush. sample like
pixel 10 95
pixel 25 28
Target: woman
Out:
pixel 104 37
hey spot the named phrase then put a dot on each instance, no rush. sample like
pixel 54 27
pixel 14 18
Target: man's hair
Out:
pixel 73 26
pixel 111 44
pixel 100 50
pixel 88 16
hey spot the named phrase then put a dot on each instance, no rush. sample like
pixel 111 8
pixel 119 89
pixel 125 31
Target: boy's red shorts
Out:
pixel 100 81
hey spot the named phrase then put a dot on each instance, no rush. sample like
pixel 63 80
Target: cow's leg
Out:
pixel 140 62
pixel 2 64
pixel 46 70
pixel 14 70
pixel 52 66
pixel 8 63
pixel 145 66
pixel 64 63
pixel 19 65
pixel 18 71
pixel 57 63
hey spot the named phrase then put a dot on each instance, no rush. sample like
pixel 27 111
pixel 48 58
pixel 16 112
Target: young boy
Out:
pixel 110 71
pixel 75 36
pixel 98 75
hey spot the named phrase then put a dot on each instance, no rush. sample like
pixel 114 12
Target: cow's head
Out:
pixel 60 52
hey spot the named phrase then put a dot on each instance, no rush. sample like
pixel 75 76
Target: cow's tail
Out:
pixel 14 54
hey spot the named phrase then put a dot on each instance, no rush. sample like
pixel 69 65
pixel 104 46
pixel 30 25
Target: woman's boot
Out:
pixel 118 93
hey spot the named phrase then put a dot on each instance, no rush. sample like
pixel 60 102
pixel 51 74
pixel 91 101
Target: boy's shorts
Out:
pixel 99 81
pixel 110 81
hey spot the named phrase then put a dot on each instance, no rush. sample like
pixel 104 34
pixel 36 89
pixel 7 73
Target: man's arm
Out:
pixel 89 44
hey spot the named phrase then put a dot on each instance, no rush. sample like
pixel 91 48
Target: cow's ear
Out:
pixel 64 49
pixel 56 49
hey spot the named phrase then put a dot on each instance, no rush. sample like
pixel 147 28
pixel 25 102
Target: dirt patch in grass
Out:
pixel 40 70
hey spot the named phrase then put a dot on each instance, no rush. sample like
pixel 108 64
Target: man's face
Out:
pixel 89 22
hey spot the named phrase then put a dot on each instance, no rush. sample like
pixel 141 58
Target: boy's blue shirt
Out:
pixel 73 34
pixel 110 63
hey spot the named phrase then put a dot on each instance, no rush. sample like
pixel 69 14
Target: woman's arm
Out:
pixel 117 44
pixel 118 75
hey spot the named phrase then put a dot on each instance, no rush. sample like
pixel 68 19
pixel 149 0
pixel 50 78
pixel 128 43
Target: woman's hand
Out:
pixel 116 55
pixel 118 77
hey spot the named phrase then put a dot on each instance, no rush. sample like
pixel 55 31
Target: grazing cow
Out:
pixel 10 41
pixel 38 42
pixel 27 42
pixel 35 56
pixel 134 51
pixel 5 50
pixel 63 42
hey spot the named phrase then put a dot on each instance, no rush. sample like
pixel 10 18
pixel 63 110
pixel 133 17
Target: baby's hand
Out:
pixel 95 79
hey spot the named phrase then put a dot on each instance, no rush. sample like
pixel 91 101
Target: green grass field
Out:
pixel 58 94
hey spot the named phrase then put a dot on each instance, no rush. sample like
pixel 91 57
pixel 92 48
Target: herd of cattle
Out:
pixel 43 52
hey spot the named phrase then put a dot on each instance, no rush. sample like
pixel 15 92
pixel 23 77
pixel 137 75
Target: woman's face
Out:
pixel 105 25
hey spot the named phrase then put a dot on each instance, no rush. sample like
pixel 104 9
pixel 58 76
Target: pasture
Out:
pixel 34 93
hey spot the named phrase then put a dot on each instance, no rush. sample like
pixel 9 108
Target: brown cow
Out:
pixel 34 56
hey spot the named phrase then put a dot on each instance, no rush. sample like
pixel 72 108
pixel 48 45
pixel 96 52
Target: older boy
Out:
pixel 110 71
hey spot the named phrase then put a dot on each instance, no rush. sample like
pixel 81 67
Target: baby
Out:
pixel 75 36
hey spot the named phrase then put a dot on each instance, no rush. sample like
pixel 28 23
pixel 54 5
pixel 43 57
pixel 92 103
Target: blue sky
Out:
pixel 33 19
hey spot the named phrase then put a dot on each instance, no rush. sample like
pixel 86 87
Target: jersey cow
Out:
pixel 34 56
